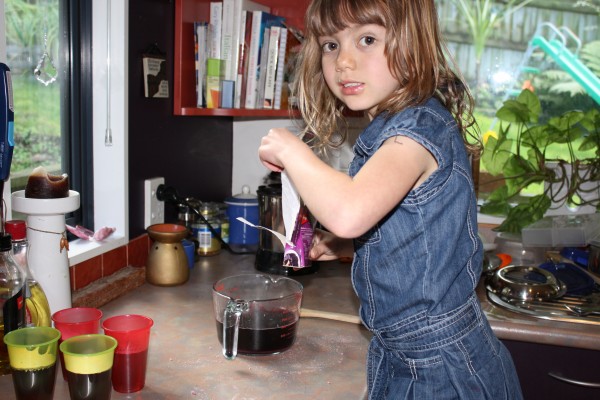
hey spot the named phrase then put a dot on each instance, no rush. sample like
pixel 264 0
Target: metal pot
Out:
pixel 525 283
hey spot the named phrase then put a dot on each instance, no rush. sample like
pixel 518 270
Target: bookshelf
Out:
pixel 184 82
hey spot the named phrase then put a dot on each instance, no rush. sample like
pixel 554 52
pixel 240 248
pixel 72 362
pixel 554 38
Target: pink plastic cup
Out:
pixel 131 355
pixel 74 322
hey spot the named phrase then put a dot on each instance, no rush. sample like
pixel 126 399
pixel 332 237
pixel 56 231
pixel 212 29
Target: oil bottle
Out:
pixel 38 309
pixel 12 297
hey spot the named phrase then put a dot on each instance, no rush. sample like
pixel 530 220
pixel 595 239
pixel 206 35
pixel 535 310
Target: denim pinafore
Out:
pixel 415 273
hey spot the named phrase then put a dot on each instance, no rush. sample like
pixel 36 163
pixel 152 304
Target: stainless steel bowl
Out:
pixel 525 283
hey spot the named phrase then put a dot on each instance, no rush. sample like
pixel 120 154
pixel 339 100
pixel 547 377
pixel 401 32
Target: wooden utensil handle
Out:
pixel 309 313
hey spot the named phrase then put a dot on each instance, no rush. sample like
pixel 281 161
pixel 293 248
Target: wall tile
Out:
pixel 137 251
pixel 86 272
pixel 114 260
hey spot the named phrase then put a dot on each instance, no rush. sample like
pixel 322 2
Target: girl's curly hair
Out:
pixel 416 54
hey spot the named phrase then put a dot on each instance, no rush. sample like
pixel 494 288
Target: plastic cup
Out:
pixel 190 251
pixel 89 361
pixel 131 356
pixel 32 356
pixel 74 322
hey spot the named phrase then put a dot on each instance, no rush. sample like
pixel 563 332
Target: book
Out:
pixel 260 21
pixel 279 74
pixel 227 37
pixel 240 7
pixel 262 68
pixel 215 70
pixel 200 43
pixel 216 15
pixel 268 95
pixel 243 62
pixel 226 94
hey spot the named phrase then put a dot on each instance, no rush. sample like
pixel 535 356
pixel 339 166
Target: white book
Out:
pixel 279 75
pixel 227 38
pixel 216 15
pixel 271 67
pixel 200 43
pixel 239 6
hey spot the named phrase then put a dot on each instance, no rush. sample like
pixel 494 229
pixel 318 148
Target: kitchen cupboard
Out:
pixel 539 365
pixel 186 13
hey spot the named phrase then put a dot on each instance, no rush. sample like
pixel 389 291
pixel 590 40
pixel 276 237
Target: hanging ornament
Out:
pixel 45 71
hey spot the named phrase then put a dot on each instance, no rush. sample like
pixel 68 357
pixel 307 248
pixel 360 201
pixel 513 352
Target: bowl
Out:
pixel 525 283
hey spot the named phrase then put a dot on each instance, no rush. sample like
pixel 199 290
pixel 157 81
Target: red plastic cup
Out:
pixel 131 355
pixel 74 322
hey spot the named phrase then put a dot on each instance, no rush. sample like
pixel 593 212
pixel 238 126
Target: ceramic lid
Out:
pixel 243 199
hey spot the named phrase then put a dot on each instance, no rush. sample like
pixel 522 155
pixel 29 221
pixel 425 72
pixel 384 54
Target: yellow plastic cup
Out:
pixel 32 356
pixel 89 361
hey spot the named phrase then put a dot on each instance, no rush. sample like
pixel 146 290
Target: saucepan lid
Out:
pixel 525 283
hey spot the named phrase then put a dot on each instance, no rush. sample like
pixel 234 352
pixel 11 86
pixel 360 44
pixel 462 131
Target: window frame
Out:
pixel 108 167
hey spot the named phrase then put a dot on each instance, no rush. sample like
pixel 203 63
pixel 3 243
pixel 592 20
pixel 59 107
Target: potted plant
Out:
pixel 561 156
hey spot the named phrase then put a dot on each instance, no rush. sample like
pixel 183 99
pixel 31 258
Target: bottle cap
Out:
pixel 5 242
pixel 16 228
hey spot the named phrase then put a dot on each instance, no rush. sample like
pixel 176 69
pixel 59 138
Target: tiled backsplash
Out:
pixel 134 254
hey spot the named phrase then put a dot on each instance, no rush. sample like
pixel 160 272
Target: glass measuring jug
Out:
pixel 256 313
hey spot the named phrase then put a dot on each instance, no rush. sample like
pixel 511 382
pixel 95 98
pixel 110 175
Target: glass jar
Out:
pixel 208 240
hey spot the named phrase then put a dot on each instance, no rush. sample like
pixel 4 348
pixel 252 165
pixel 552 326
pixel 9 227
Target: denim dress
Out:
pixel 415 273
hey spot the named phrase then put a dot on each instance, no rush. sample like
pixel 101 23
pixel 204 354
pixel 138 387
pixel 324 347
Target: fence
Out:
pixel 508 42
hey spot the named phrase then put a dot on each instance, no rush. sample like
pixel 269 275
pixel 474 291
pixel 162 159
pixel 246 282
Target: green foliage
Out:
pixel 483 17
pixel 522 156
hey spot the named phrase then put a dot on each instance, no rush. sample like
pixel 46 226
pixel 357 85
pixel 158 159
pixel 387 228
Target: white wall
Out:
pixel 247 169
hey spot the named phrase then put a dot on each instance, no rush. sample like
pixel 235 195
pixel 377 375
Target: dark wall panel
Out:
pixel 193 154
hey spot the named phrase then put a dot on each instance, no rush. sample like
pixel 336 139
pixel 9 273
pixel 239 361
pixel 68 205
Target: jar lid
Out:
pixel 16 228
pixel 243 199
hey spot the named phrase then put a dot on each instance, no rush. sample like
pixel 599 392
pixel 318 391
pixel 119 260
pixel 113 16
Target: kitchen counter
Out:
pixel 326 362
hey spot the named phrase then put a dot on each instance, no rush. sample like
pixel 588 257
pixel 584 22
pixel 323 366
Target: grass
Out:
pixel 37 129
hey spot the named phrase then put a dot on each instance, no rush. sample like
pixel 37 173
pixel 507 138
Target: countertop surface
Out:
pixel 327 361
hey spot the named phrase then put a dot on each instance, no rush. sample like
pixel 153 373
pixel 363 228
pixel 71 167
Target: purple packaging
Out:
pixel 296 255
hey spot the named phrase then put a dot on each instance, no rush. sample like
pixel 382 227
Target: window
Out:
pixel 75 81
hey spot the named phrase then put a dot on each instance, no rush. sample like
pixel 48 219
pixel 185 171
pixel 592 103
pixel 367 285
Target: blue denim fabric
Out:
pixel 415 273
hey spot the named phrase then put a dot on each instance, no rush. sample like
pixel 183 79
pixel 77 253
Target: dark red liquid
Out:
pixel 262 341
pixel 129 371
pixel 90 386
pixel 34 384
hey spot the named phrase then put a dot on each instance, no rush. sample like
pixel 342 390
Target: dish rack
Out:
pixel 560 309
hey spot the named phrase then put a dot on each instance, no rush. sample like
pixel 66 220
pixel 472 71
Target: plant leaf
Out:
pixel 495 155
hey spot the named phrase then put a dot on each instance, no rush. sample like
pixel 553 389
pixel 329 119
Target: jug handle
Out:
pixel 231 324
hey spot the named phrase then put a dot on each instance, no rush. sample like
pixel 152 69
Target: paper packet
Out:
pixel 298 227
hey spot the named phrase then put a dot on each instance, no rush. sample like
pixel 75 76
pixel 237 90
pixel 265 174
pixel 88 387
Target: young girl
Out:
pixel 407 212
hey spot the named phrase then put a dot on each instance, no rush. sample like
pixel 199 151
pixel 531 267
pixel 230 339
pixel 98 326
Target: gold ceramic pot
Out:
pixel 167 263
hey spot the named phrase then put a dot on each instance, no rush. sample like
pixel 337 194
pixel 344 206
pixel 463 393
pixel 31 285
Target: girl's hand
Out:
pixel 326 246
pixel 274 146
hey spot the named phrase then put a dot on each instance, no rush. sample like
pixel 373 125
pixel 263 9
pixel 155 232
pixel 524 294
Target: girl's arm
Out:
pixel 349 207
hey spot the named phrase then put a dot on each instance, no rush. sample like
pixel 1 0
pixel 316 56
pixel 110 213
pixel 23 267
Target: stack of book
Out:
pixel 241 56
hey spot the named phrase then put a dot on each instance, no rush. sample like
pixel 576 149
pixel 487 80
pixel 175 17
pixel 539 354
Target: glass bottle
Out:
pixel 38 309
pixel 12 297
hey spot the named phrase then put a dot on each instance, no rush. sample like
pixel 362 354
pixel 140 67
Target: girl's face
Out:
pixel 355 67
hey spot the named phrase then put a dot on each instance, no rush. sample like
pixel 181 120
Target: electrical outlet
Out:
pixel 154 210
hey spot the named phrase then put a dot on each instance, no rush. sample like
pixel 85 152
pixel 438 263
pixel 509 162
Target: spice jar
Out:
pixel 208 240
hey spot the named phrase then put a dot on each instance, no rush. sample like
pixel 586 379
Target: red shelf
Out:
pixel 186 13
